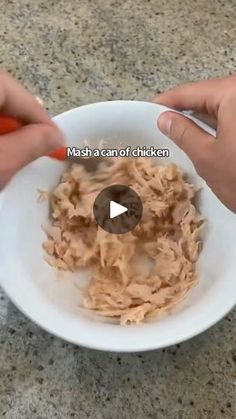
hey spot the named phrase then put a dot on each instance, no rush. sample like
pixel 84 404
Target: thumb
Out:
pixel 25 145
pixel 193 140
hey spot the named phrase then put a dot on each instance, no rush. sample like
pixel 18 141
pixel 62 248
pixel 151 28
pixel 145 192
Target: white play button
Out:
pixel 116 209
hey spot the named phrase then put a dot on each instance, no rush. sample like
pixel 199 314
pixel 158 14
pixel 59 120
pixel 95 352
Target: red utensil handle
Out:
pixel 59 154
pixel 9 124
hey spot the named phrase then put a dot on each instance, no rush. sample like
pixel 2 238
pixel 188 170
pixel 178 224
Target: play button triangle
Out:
pixel 116 209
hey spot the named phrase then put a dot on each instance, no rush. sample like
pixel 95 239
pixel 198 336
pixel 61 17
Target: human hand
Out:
pixel 213 158
pixel 36 138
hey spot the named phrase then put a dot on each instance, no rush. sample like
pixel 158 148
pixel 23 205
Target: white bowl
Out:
pixel 53 302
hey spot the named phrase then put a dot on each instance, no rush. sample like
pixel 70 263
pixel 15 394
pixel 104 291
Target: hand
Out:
pixel 38 137
pixel 213 158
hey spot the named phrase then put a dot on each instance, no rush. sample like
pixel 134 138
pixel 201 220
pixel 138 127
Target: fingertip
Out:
pixel 164 122
pixel 155 99
pixel 31 142
pixel 52 136
pixel 160 99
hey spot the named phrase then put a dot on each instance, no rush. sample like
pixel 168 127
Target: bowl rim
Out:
pixel 125 349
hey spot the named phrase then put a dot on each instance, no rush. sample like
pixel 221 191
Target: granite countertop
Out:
pixel 76 52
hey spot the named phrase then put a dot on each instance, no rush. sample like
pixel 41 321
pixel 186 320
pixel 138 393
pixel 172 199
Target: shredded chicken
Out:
pixel 144 272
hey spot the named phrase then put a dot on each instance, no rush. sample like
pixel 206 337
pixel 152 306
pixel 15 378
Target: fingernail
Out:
pixel 164 123
pixel 56 139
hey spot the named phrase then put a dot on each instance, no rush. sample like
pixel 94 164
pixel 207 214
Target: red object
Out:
pixel 9 124
pixel 59 154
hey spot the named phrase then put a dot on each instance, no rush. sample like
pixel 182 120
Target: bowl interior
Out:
pixel 52 300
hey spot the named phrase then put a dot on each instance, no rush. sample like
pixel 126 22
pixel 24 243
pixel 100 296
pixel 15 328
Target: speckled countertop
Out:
pixel 75 52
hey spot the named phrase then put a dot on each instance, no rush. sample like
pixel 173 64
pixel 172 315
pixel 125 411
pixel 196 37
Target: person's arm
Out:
pixel 38 137
pixel 214 158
